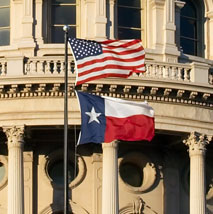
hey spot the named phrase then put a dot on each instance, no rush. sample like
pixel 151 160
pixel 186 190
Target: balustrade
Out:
pixel 55 65
pixel 3 67
pixel 159 70
pixel 47 65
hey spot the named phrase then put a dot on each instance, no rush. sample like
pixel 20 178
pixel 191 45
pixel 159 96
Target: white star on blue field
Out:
pixel 93 115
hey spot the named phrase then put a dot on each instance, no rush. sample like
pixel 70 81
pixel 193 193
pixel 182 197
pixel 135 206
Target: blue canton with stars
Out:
pixel 92 131
pixel 84 48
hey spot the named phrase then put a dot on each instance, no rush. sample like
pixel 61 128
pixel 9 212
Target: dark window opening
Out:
pixel 129 19
pixel 4 22
pixel 191 28
pixel 63 12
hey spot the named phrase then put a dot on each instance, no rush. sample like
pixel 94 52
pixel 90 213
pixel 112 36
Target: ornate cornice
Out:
pixel 136 92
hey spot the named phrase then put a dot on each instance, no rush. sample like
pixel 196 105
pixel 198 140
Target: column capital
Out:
pixel 180 4
pixel 197 143
pixel 113 144
pixel 157 2
pixel 15 135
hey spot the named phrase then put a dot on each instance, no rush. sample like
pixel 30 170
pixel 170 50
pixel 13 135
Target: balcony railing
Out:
pixel 159 70
pixel 3 67
pixel 54 65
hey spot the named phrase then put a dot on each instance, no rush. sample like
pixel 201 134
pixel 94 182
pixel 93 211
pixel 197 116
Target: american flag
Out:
pixel 110 58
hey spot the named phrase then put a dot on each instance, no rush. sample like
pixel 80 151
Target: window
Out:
pixel 56 172
pixel 129 19
pixel 63 12
pixel 5 22
pixel 131 174
pixel 191 28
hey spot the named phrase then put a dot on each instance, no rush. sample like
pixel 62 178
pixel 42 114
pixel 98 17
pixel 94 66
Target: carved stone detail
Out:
pixel 138 205
pixel 15 136
pixel 112 88
pixel 180 93
pixel 55 89
pixel 167 91
pixel 197 143
pixel 140 89
pixel 127 88
pixel 147 167
pixel 84 87
pixel 206 96
pixel 154 91
pixel 193 94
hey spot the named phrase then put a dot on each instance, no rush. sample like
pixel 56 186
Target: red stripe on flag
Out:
pixel 126 52
pixel 121 45
pixel 118 67
pixel 131 128
pixel 103 76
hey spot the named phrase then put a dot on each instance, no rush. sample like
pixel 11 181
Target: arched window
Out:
pixel 129 22
pixel 63 12
pixel 5 22
pixel 191 28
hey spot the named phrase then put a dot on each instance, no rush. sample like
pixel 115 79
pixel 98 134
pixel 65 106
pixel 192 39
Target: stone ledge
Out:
pixel 133 92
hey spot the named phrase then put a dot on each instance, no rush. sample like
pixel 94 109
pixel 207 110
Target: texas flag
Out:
pixel 104 119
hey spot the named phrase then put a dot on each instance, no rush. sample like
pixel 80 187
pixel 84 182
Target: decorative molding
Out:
pixel 193 94
pixel 138 206
pixel 56 207
pixel 147 168
pixel 56 155
pixel 138 92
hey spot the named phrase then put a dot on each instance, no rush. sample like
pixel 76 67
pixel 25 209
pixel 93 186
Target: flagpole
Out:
pixel 66 193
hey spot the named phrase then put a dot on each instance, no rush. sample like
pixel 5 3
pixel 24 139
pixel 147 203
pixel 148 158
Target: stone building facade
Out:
pixel 172 174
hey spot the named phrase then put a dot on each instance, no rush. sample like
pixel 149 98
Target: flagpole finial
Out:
pixel 66 28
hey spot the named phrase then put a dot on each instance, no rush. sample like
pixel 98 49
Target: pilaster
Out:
pixel 28 181
pixel 110 201
pixel 170 50
pixel 156 19
pixel 38 26
pixel 88 19
pixel 197 148
pixel 209 47
pixel 100 19
pixel 27 40
pixel 97 184
pixel 15 143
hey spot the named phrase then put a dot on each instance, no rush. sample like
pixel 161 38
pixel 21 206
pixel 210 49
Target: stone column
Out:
pixel 197 148
pixel 15 169
pixel 110 179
